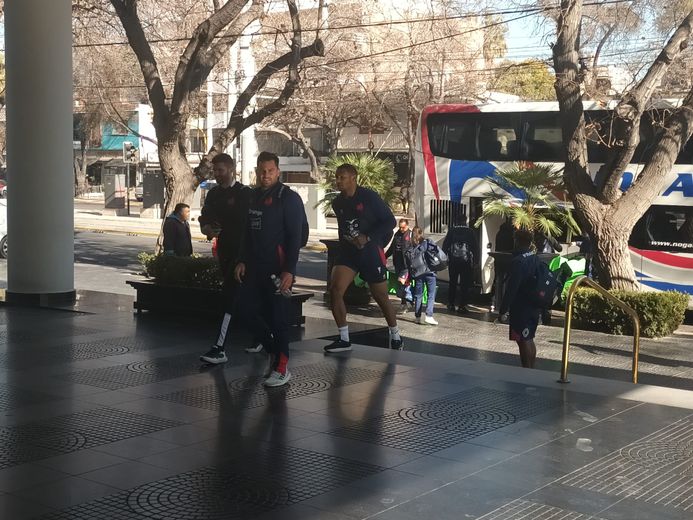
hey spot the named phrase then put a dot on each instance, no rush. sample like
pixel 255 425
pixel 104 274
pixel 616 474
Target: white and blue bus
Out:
pixel 459 147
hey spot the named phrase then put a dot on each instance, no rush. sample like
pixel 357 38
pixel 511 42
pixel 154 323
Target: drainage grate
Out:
pixel 248 392
pixel 435 425
pixel 656 469
pixel 68 433
pixel 518 509
pixel 255 484
pixel 136 374
pixel 11 397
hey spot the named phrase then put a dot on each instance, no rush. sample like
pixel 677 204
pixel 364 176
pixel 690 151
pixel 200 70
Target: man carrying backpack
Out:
pixel 460 245
pixel 530 289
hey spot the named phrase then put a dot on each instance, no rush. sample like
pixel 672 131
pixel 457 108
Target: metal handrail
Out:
pixel 584 280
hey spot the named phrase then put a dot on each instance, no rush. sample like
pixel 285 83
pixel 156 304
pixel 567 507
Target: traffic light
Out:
pixel 129 153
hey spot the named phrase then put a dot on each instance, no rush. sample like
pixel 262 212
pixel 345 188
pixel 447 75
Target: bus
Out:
pixel 459 147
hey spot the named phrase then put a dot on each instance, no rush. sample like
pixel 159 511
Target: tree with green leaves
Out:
pixel 374 172
pixel 527 194
pixel 531 80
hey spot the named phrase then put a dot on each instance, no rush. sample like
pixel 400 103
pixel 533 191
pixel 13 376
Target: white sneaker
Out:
pixel 254 350
pixel 418 320
pixel 430 320
pixel 278 379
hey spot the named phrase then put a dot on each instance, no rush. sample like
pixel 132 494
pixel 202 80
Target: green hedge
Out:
pixel 660 313
pixel 191 271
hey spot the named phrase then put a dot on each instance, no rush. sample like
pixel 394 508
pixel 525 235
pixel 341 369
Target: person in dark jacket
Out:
pixel 504 243
pixel 365 227
pixel 224 216
pixel 401 243
pixel 422 275
pixel 461 247
pixel 267 266
pixel 523 317
pixel 177 239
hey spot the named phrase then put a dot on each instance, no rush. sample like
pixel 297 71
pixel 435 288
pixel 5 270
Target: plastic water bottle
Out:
pixel 277 283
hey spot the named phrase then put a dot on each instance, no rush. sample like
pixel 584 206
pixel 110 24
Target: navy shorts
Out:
pixel 523 323
pixel 368 262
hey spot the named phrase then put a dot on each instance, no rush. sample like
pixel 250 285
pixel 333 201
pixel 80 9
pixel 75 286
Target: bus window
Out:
pixel 452 137
pixel 665 228
pixel 499 136
pixel 543 139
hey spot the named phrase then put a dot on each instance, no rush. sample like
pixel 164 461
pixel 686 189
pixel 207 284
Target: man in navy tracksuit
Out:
pixel 274 236
pixel 524 317
pixel 365 227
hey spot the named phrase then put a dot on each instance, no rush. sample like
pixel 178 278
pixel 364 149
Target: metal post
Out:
pixel 127 187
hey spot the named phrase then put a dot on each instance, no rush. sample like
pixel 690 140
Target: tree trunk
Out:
pixel 179 180
pixel 612 256
pixel 80 169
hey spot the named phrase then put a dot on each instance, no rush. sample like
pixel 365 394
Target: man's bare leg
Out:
pixel 382 298
pixel 528 353
pixel 341 278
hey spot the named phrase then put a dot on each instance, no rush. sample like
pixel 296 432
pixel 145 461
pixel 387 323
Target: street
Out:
pixel 104 261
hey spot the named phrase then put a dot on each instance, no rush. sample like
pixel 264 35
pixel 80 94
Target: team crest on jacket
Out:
pixel 359 207
pixel 268 201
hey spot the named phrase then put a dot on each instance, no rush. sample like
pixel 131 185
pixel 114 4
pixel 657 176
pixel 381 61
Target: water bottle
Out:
pixel 277 283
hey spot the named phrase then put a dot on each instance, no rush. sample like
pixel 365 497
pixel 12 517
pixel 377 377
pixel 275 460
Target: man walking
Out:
pixel 177 239
pixel 461 247
pixel 524 315
pixel 276 231
pixel 224 216
pixel 365 227
pixel 401 243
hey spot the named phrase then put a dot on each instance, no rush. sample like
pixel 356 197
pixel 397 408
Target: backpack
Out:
pixel 435 258
pixel 460 250
pixel 542 288
pixel 305 229
pixel 415 260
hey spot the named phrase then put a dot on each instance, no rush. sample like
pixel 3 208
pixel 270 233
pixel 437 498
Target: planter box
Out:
pixel 197 301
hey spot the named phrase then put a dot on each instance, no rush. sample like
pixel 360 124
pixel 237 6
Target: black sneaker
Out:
pixel 338 345
pixel 397 344
pixel 215 356
pixel 463 309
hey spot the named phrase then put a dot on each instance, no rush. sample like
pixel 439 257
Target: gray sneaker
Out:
pixel 277 379
pixel 254 349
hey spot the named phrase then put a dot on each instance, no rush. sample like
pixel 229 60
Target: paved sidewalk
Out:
pixel 86 220
pixel 107 416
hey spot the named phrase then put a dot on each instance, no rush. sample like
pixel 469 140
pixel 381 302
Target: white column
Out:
pixel 38 42
pixel 248 142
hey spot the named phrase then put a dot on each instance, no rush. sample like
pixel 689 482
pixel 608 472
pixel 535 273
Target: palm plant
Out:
pixel 373 172
pixel 529 196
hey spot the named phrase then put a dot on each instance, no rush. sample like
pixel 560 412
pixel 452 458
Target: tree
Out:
pixel 526 194
pixel 607 214
pixel 531 80
pixel 210 41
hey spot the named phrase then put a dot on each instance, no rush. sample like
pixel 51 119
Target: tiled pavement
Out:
pixel 108 416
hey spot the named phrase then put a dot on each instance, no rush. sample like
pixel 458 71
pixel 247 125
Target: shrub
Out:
pixel 660 313
pixel 373 172
pixel 191 271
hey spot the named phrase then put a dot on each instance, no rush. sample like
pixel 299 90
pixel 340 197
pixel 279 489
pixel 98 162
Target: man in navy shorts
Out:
pixel 365 227
pixel 524 317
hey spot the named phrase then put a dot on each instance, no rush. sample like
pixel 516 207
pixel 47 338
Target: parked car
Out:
pixel 139 192
pixel 3 229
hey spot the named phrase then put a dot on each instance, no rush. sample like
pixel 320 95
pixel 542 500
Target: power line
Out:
pixel 526 10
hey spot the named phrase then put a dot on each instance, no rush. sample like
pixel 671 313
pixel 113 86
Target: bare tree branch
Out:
pixel 629 111
pixel 202 38
pixel 569 95
pixel 127 12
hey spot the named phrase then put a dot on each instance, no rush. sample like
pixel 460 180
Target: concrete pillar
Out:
pixel 38 43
